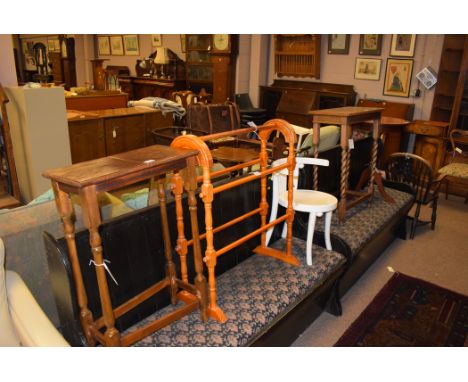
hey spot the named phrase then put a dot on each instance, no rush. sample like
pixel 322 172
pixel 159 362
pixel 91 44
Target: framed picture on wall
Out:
pixel 367 69
pixel 131 47
pixel 50 45
pixel 338 43
pixel 156 40
pixel 116 45
pixel 403 45
pixel 370 44
pixel 398 77
pixel 103 46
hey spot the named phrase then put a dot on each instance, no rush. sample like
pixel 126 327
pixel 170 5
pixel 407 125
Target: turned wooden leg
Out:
pixel 373 166
pixel 170 266
pixel 316 141
pixel 65 210
pixel 344 182
pixel 92 219
pixel 177 189
pixel 190 184
pixel 210 254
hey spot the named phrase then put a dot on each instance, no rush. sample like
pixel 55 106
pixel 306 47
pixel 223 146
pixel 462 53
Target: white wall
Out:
pixel 7 61
pixel 340 69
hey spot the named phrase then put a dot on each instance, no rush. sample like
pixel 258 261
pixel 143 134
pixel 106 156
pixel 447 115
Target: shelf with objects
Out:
pixel 451 91
pixel 297 55
pixel 157 75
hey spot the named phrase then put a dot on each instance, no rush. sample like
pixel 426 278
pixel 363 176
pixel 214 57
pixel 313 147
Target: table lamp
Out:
pixel 162 58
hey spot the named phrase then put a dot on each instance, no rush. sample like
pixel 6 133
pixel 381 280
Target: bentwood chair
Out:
pixel 316 203
pixel 416 173
pixel 456 171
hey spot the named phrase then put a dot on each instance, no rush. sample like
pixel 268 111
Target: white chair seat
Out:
pixel 310 201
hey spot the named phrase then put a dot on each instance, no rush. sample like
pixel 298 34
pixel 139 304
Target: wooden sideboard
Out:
pixel 293 100
pixel 141 87
pixel 97 100
pixel 430 141
pixel 100 133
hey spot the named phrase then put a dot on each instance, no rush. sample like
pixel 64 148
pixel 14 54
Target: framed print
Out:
pixel 367 69
pixel 156 40
pixel 50 45
pixel 403 45
pixel 116 45
pixel 182 43
pixel 370 44
pixel 338 43
pixel 130 42
pixel 398 77
pixel 103 46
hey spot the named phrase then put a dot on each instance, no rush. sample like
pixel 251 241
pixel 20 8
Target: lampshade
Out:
pixel 161 56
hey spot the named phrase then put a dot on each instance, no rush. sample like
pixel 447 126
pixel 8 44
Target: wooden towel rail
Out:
pixel 208 191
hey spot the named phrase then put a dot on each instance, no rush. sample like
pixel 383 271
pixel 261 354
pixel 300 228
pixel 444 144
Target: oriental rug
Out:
pixel 411 312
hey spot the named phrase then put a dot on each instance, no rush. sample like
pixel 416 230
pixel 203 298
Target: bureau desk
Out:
pixel 99 133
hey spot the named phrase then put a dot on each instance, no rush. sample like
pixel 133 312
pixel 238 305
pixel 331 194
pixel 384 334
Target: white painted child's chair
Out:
pixel 316 203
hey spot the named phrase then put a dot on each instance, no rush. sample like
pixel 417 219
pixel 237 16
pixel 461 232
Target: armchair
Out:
pixel 22 321
pixel 416 174
pixel 457 170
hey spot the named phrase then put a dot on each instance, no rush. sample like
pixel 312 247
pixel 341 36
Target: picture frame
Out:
pixel 130 42
pixel 156 40
pixel 50 46
pixel 338 43
pixel 398 77
pixel 116 45
pixel 183 43
pixel 370 44
pixel 367 69
pixel 104 46
pixel 403 45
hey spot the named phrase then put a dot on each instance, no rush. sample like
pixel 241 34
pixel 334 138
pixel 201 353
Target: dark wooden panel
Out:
pixel 86 140
pixel 124 134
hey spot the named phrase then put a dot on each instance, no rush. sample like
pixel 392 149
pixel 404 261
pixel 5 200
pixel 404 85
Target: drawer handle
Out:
pixel 114 131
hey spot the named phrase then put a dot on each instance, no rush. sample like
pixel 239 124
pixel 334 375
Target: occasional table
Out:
pixel 88 179
pixel 347 117
pixel 230 156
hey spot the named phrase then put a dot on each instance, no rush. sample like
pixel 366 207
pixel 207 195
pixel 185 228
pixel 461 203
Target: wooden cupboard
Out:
pixel 430 141
pixel 101 133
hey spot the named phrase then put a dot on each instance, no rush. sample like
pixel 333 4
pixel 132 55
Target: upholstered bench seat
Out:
pixel 254 295
pixel 363 221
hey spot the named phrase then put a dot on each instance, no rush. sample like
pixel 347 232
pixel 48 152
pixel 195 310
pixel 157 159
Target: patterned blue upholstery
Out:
pixel 363 222
pixel 261 290
pixel 253 295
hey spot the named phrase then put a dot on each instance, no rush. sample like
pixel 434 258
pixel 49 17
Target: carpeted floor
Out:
pixel 411 312
pixel 439 257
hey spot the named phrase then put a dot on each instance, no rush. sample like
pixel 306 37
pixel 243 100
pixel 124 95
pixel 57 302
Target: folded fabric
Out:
pixel 162 104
